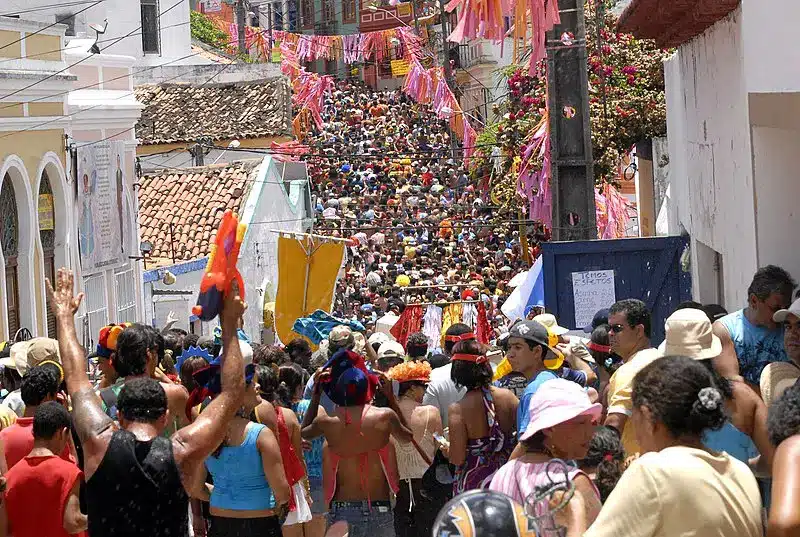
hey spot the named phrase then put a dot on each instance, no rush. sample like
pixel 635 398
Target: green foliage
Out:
pixel 626 101
pixel 204 31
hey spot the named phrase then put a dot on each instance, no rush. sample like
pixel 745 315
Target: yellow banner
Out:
pixel 47 219
pixel 399 67
pixel 306 273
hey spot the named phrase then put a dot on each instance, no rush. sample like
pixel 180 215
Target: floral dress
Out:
pixel 484 455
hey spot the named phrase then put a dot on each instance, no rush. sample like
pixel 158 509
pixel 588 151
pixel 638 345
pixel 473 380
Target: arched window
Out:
pixel 9 239
pixel 47 234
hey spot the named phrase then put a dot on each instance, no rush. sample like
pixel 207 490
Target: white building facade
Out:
pixel 733 118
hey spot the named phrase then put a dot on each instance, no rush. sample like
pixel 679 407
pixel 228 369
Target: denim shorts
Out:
pixel 317 496
pixel 362 520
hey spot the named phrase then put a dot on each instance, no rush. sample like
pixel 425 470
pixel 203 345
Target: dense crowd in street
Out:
pixel 455 420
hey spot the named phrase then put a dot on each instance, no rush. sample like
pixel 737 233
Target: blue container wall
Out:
pixel 647 269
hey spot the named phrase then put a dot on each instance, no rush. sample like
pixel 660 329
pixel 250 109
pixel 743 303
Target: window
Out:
pixel 349 10
pixel 328 11
pixel 94 288
pixel 9 240
pixel 126 295
pixel 47 235
pixel 69 20
pixel 150 26
pixel 307 13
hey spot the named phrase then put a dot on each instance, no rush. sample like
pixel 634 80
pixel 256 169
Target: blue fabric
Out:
pixel 573 375
pixel 319 324
pixel 239 480
pixel 363 520
pixel 755 346
pixel 523 413
pixel 732 441
pixel 313 457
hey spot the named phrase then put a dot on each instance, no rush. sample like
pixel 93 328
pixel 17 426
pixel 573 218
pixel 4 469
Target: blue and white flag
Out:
pixel 527 295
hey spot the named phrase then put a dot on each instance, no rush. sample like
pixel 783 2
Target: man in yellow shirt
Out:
pixel 629 334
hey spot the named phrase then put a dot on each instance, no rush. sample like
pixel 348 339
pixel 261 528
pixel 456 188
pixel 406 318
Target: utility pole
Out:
pixel 240 24
pixel 414 13
pixel 572 170
pixel 269 29
pixel 448 70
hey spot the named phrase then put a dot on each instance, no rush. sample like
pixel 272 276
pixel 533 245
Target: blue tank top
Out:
pixel 732 441
pixel 755 345
pixel 313 457
pixel 238 472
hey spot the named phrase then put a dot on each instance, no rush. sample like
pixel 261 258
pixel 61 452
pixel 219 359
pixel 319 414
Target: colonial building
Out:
pixel 48 116
pixel 180 211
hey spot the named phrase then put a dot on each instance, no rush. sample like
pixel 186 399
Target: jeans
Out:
pixel 363 521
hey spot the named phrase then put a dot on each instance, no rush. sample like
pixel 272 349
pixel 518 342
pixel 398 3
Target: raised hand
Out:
pixel 62 299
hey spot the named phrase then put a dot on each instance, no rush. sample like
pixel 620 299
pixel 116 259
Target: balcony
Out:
pixel 385 17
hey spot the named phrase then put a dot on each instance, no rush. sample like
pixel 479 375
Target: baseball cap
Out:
pixel 536 332
pixel 558 401
pixel 794 309
pixel 688 333
pixel 340 333
pixel 27 354
pixel 391 349
pixel 601 317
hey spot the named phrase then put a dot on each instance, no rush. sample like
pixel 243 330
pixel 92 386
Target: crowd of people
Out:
pixel 595 432
pixel 387 176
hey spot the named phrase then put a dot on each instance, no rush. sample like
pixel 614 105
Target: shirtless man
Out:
pixel 360 467
pixel 136 480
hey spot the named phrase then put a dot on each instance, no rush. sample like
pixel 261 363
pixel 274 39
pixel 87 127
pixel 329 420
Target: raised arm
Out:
pixel 93 426
pixel 195 442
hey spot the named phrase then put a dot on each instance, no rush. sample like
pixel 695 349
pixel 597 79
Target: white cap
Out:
pixel 391 349
pixel 794 309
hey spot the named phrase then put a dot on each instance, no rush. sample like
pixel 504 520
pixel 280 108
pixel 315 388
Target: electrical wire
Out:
pixel 46 7
pixel 58 21
pixel 51 75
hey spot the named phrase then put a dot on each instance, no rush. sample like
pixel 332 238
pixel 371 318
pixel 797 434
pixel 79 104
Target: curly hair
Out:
pixel 607 457
pixel 37 385
pixel 671 388
pixel 783 420
pixel 269 354
pixel 636 313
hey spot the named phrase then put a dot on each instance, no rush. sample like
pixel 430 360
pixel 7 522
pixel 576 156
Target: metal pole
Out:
pixel 269 26
pixel 414 12
pixel 448 71
pixel 240 25
pixel 285 15
pixel 572 170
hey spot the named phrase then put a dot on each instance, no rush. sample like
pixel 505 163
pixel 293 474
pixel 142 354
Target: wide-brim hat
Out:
pixel 776 378
pixel 28 354
pixel 689 333
pixel 558 401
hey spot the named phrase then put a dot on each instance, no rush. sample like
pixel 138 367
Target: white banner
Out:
pixel 100 204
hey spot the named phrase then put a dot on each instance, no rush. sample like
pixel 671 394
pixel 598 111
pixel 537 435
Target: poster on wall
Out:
pixel 212 6
pixel 46 213
pixel 100 204
pixel 593 290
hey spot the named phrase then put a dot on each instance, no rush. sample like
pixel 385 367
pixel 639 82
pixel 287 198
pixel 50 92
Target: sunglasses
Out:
pixel 616 328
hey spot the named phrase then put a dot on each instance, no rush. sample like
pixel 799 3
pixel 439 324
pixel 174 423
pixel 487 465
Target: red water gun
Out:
pixel 221 270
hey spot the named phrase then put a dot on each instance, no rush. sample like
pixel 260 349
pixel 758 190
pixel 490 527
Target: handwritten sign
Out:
pixel 593 291
pixel 399 67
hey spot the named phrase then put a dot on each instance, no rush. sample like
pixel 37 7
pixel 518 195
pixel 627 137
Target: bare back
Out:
pixel 352 434
pixel 474 412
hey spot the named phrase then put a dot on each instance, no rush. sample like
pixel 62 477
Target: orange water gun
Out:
pixel 221 270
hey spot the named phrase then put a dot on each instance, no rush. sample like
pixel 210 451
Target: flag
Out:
pixel 527 295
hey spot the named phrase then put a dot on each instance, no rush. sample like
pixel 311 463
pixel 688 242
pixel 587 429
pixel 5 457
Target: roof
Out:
pixel 193 200
pixel 185 112
pixel 672 22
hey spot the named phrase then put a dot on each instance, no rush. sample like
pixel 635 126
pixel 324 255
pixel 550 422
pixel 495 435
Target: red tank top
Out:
pixel 292 466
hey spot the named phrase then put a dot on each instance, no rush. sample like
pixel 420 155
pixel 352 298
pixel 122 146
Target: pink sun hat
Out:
pixel 558 401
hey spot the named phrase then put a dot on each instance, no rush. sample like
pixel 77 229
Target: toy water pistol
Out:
pixel 221 270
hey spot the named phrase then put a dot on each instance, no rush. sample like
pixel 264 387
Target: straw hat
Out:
pixel 776 378
pixel 688 333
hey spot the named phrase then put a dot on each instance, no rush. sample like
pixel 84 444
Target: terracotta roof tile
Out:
pixel 183 112
pixel 186 201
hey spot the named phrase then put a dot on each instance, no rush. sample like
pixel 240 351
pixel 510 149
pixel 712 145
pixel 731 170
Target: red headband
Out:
pixel 592 346
pixel 463 337
pixel 474 358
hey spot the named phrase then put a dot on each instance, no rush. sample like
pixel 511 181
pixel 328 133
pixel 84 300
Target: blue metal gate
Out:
pixel 648 269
